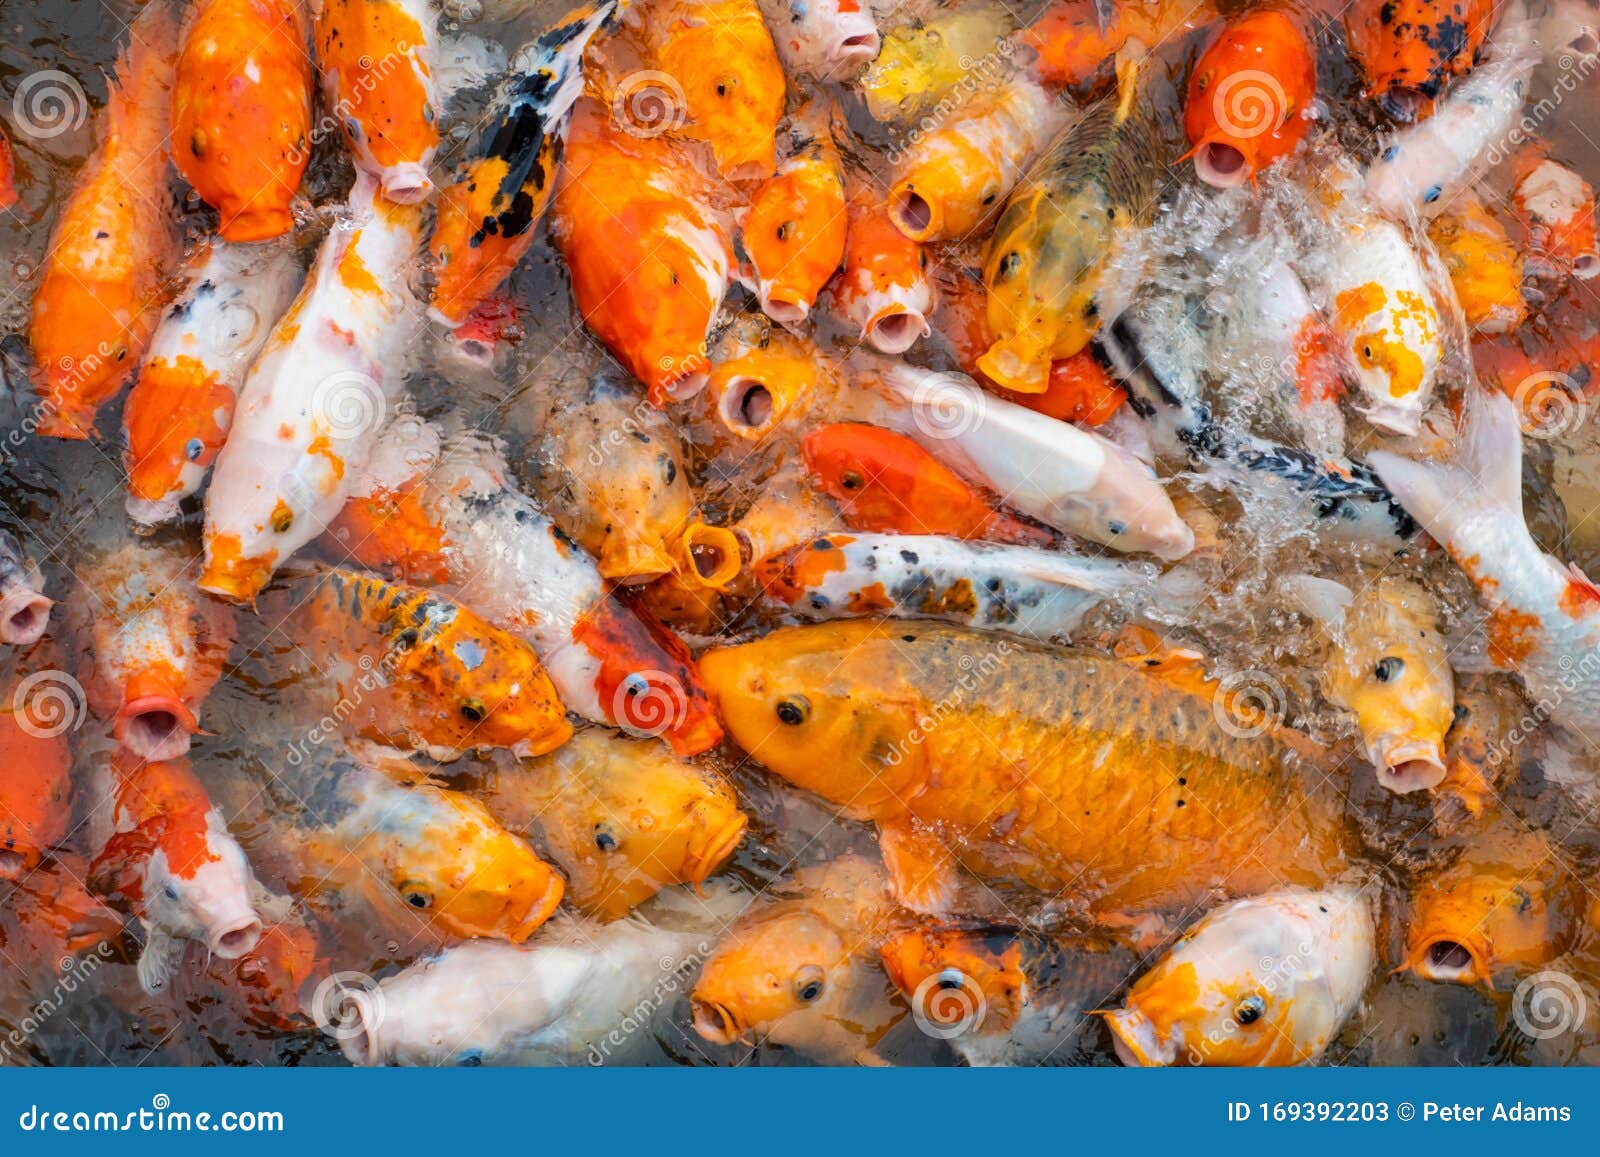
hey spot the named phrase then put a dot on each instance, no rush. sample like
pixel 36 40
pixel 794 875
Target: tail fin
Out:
pixel 1486 472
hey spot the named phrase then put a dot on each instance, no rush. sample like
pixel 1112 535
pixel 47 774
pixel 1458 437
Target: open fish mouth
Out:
pixel 1446 960
pixel 155 727
pixel 715 1023
pixel 1221 165
pixel 1136 1041
pixel 1408 765
pixel 24 615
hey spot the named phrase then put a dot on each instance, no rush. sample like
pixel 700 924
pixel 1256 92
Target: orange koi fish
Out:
pixel 153 645
pixel 490 540
pixel 169 855
pixel 1556 208
pixel 35 793
pixel 377 63
pixel 1075 48
pixel 431 674
pixel 100 291
pixel 648 253
pixel 315 399
pixel 50 916
pixel 8 170
pixel 181 405
pixel 241 112
pixel 760 380
pixel 884 288
pixel 794 234
pixel 487 213
pixel 1407 50
pixel 1249 96
pixel 1484 265
pixel 883 481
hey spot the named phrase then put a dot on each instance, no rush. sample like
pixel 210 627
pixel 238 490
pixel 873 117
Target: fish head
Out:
pixel 733 85
pixel 959 976
pixel 1247 97
pixel 1406 49
pixel 794 236
pixel 1505 906
pixel 873 473
pixel 1261 982
pixel 471 684
pixel 178 416
pixel 1391 668
pixel 778 962
pixel 824 706
pixel 1129 510
pixel 630 819
pixel 1392 349
pixel 948 190
pixel 447 859
pixel 197 884
pixel 897 82
pixel 755 388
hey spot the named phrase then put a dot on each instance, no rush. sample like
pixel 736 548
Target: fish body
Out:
pixel 648 253
pixel 954 55
pixel 1408 50
pixel 1014 589
pixel 1265 981
pixel 36 791
pixel 803 971
pixel 1556 208
pixel 314 400
pixel 241 112
pixel 153 646
pixel 951 180
pixel 100 291
pixel 1544 617
pixel 494 544
pixel 169 855
pixel 624 818
pixel 1250 96
pixel 822 39
pixel 1485 268
pixel 1073 480
pixel 884 289
pixel 8 173
pixel 794 233
pixel 24 607
pixel 181 406
pixel 488 211
pixel 429 672
pixel 1093 183
pixel 377 62
pixel 1004 996
pixel 884 481
pixel 1054 766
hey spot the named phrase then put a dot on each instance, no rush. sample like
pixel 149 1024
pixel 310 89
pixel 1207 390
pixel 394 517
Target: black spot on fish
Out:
pixel 909 556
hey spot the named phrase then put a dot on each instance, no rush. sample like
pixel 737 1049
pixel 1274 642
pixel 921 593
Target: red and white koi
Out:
pixel 1556 208
pixel 822 39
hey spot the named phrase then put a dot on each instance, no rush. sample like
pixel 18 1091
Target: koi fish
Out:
pixel 803 971
pixel 100 290
pixel 1250 96
pixel 648 252
pixel 884 288
pixel 557 1001
pixel 24 607
pixel 1407 50
pixel 609 664
pixel 1075 41
pixel 1265 981
pixel 429 674
pixel 1485 267
pixel 36 791
pixel 953 179
pixel 624 818
pixel 1389 665
pixel 487 213
pixel 1019 590
pixel 923 63
pixel 8 173
pixel 794 234
pixel 822 39
pixel 1543 619
pixel 1169 806
pixel 1094 183
pixel 1004 996
pixel 266 987
pixel 314 400
pixel 152 646
pixel 169 855
pixel 377 62
pixel 1073 480
pixel 764 381
pixel 1556 208
pixel 181 406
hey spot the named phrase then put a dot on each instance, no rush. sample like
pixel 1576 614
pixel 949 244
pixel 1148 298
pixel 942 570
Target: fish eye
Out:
pixel 1203 82
pixel 1366 353
pixel 193 448
pixel 1249 1010
pixel 473 710
pixel 1388 668
pixel 416 895
pixel 406 639
pixel 170 892
pixel 808 984
pixel 1117 527
pixel 952 979
pixel 850 480
pixel 794 710
pixel 1009 264
pixel 603 839
pixel 785 229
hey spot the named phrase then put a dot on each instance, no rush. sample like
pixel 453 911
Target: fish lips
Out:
pixel 1405 765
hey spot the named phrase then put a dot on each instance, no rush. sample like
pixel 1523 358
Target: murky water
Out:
pixel 65 499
